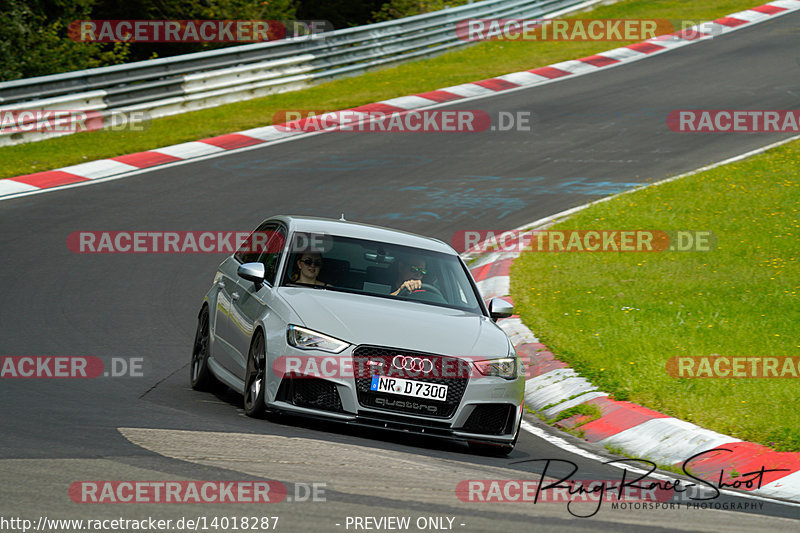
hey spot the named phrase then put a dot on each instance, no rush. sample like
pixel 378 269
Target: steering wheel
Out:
pixel 425 287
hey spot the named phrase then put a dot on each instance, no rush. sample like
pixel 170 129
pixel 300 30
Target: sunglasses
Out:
pixel 417 270
pixel 312 262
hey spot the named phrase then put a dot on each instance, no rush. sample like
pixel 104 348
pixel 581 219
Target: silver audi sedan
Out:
pixel 364 325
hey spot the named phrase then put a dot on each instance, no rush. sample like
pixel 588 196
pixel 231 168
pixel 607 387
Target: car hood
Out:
pixel 360 319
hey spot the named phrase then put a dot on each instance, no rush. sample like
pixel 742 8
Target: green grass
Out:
pixel 618 317
pixel 589 412
pixel 473 63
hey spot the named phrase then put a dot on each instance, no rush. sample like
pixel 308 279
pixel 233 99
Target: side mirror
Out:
pixel 499 308
pixel 252 272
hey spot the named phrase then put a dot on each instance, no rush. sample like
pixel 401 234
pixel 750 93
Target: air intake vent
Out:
pixel 491 419
pixel 313 393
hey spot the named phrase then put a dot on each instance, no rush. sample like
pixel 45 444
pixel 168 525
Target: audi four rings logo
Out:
pixel 416 364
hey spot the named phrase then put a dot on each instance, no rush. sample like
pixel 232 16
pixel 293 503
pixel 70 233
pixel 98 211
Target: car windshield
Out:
pixel 379 269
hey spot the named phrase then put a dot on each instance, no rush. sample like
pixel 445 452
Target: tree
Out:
pixel 33 39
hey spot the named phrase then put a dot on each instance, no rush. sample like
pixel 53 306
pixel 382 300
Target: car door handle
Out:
pixel 235 296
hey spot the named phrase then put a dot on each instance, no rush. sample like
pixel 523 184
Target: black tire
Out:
pixel 255 378
pixel 200 375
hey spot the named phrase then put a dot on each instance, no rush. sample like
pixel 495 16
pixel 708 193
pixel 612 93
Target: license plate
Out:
pixel 408 387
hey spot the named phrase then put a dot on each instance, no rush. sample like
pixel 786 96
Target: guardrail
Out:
pixel 173 85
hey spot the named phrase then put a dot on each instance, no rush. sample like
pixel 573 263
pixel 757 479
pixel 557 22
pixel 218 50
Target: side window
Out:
pixel 254 244
pixel 271 255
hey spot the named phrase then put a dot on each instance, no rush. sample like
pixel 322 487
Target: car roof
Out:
pixel 358 230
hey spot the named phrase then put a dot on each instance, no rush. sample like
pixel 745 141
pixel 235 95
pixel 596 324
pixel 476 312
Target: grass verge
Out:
pixel 618 317
pixel 483 60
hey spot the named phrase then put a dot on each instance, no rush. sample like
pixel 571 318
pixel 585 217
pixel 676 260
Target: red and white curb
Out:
pixel 553 387
pixel 130 164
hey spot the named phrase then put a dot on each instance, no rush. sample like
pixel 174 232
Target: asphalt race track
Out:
pixel 592 136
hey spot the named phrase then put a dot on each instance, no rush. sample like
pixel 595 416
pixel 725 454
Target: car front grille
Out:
pixel 369 361
pixel 491 419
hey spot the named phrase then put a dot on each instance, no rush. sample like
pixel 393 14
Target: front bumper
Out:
pixel 477 409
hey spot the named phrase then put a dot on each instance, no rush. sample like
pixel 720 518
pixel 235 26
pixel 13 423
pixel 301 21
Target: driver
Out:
pixel 409 274
pixel 307 268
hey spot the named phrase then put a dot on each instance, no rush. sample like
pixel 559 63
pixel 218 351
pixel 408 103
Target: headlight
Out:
pixel 307 339
pixel 505 368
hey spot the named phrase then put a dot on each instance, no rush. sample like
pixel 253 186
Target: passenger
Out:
pixel 307 268
pixel 409 274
